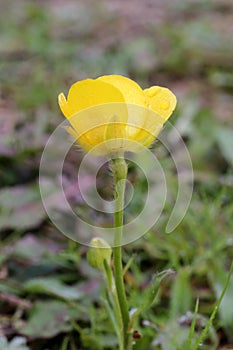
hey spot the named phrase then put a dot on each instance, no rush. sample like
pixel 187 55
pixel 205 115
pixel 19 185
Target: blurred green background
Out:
pixel 48 295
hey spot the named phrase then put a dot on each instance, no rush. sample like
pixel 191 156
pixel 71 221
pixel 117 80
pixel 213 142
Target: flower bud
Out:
pixel 99 251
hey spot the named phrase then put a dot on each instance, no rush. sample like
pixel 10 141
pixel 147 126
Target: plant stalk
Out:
pixel 119 168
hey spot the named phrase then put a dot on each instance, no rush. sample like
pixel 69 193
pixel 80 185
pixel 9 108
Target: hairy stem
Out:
pixel 119 168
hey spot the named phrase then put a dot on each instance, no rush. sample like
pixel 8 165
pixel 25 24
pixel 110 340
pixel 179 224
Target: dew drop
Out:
pixel 164 105
pixel 153 91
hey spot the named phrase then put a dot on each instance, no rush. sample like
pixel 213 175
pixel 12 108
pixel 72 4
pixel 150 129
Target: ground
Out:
pixel 49 295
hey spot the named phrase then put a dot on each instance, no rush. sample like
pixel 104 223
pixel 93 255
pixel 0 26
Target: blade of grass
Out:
pixel 127 266
pixel 65 343
pixel 214 312
pixel 192 328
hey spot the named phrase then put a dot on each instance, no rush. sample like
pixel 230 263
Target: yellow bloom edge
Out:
pixel 111 108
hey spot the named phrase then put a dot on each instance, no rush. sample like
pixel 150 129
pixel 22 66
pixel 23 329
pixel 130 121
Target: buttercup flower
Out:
pixel 112 114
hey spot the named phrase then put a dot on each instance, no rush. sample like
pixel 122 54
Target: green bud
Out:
pixel 99 251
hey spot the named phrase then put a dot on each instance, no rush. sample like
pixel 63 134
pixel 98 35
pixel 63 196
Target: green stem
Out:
pixel 114 303
pixel 119 169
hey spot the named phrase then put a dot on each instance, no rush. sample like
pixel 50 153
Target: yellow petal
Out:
pixel 63 104
pixel 89 106
pixel 130 90
pixel 161 100
pixel 88 93
pixel 115 129
pixel 90 140
pixel 91 124
pixel 147 141
pixel 93 140
pixel 113 114
pixel 72 132
pixel 133 95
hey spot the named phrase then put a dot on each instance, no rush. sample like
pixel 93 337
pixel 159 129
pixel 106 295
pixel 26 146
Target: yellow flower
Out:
pixel 112 114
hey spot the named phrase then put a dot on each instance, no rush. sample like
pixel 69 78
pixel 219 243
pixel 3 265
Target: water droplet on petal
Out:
pixel 164 105
pixel 151 92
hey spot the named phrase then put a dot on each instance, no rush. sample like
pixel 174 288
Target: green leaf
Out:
pixel 52 286
pixel 17 343
pixel 173 336
pixel 7 287
pixel 181 297
pixel 3 257
pixel 48 319
pixel 33 248
pixel 151 292
pixel 225 140
pixel 20 207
